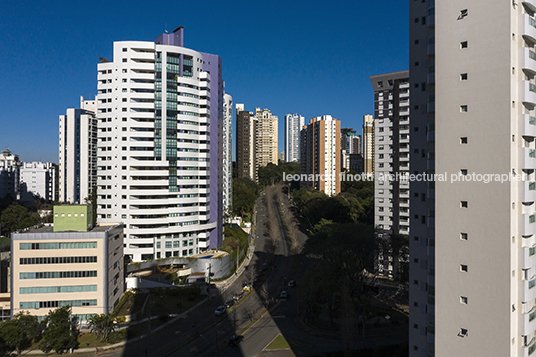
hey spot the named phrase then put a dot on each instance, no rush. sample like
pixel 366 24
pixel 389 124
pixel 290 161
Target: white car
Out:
pixel 220 310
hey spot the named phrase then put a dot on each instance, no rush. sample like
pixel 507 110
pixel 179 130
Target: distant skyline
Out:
pixel 308 57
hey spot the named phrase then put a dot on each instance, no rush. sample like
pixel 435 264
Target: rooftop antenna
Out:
pixel 166 28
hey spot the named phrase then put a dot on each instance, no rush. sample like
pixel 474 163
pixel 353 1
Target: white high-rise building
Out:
pixel 37 179
pixel 9 175
pixel 293 125
pixel 473 261
pixel 227 151
pixel 160 113
pixel 78 152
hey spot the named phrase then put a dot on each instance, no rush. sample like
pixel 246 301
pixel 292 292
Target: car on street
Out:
pixel 235 340
pixel 283 295
pixel 220 310
pixel 292 283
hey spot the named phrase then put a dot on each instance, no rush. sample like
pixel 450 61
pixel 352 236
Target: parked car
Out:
pixel 220 310
pixel 291 283
pixel 283 295
pixel 229 303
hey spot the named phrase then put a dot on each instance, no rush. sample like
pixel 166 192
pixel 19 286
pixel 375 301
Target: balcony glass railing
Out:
pixel 532 153
pixel 532 120
pixel 532 186
pixel 532 218
pixel 532 54
pixel 532 87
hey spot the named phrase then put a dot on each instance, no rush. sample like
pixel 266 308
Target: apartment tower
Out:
pixel 320 154
pixel 160 118
pixel 265 138
pixel 473 266
pixel 293 125
pixel 78 152
pixel 227 127
pixel 391 152
pixel 367 134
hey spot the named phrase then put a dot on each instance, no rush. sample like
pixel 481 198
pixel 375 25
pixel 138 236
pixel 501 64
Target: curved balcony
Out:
pixel 530 3
pixel 527 224
pixel 528 193
pixel 527 158
pixel 527 125
pixel 528 92
pixel 528 27
pixel 528 59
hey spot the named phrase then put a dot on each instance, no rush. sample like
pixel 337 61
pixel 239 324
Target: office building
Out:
pixel 9 175
pixel 69 262
pixel 227 127
pixel 78 152
pixel 160 124
pixel 367 135
pixel 320 154
pixel 256 140
pixel 37 180
pixel 293 125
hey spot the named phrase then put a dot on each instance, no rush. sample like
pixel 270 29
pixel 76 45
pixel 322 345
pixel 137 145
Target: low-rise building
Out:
pixel 70 262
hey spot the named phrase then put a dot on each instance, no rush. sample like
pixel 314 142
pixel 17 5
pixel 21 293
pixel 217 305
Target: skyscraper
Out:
pixel 391 152
pixel 293 125
pixel 256 140
pixel 367 134
pixel 78 152
pixel 227 127
pixel 160 113
pixel 320 154
pixel 473 268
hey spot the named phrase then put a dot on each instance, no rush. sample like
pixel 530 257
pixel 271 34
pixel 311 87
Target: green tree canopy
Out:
pixel 20 332
pixel 61 333
pixel 245 193
pixel 16 217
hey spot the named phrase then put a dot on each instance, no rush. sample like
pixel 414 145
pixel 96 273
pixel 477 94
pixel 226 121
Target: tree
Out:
pixel 245 193
pixel 20 332
pixel 17 217
pixel 61 333
pixel 102 325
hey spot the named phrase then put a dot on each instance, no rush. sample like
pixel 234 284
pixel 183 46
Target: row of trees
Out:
pixel 14 216
pixel 57 332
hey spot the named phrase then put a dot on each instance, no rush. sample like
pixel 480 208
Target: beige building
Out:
pixel 320 154
pixel 79 267
pixel 367 135
pixel 256 140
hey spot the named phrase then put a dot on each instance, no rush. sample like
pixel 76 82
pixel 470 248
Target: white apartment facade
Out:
pixel 227 151
pixel 367 135
pixel 293 125
pixel 473 262
pixel 37 179
pixel 78 152
pixel 160 116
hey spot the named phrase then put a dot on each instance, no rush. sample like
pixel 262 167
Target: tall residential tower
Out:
pixel 160 113
pixel 293 125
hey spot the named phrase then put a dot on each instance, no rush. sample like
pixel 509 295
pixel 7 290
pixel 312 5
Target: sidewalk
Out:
pixel 223 285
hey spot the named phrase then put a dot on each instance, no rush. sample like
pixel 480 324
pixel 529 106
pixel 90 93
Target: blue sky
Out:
pixel 307 57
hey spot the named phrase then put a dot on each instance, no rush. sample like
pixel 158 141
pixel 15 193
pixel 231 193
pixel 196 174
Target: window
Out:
pixel 124 49
pixel 463 13
pixel 124 59
pixel 416 64
pixel 463 268
pixel 463 172
pixel 463 108
pixel 463 44
pixel 463 300
pixel 463 236
pixel 463 140
pixel 464 204
pixel 463 76
pixel 463 332
pixel 380 84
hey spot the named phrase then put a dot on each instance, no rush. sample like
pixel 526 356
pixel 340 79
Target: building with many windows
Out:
pixel 320 154
pixel 256 140
pixel 68 263
pixel 293 125
pixel 227 127
pixel 9 175
pixel 37 180
pixel 78 152
pixel 160 140
pixel 367 136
